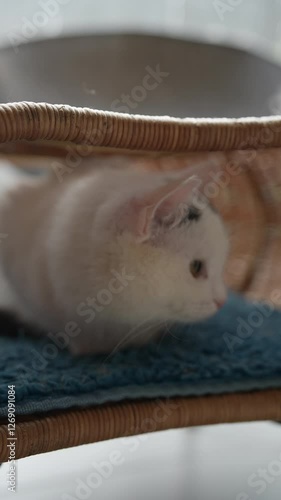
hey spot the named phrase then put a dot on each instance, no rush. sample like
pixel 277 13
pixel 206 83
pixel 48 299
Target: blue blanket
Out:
pixel 239 349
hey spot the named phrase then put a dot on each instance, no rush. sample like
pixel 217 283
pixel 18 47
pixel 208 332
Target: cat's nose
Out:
pixel 219 303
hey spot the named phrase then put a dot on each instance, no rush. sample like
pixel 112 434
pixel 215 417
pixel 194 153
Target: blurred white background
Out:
pixel 222 462
pixel 248 23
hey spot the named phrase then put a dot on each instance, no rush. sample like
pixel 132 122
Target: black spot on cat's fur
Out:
pixel 193 214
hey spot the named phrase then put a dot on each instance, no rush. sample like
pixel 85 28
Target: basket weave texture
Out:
pixel 242 161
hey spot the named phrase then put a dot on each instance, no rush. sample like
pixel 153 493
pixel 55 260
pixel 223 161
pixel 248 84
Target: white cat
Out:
pixel 109 255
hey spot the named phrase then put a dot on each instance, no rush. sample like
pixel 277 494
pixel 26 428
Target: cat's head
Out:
pixel 176 247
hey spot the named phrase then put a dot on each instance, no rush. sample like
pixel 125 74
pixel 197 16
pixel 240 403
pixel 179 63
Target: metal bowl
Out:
pixel 140 74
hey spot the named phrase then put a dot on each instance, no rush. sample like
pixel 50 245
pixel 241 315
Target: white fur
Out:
pixel 88 236
pixel 10 178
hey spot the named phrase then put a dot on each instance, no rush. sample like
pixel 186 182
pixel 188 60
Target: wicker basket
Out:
pixel 244 181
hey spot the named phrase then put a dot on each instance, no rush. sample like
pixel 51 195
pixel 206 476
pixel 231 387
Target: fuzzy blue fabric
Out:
pixel 239 349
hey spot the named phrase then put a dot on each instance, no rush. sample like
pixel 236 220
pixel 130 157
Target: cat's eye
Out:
pixel 197 268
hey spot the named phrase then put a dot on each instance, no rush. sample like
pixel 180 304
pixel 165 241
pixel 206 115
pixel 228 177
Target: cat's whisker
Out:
pixel 154 325
pixel 126 337
pixel 169 332
pixel 165 331
pixel 172 333
pixel 144 330
pixel 133 334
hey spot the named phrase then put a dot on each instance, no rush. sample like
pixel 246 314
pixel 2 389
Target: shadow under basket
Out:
pixel 242 158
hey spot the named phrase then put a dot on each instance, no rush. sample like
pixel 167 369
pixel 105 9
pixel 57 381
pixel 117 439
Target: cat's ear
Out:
pixel 164 206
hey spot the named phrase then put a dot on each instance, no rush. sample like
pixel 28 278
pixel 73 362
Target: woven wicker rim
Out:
pixel 27 121
pixel 41 121
pixel 40 434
